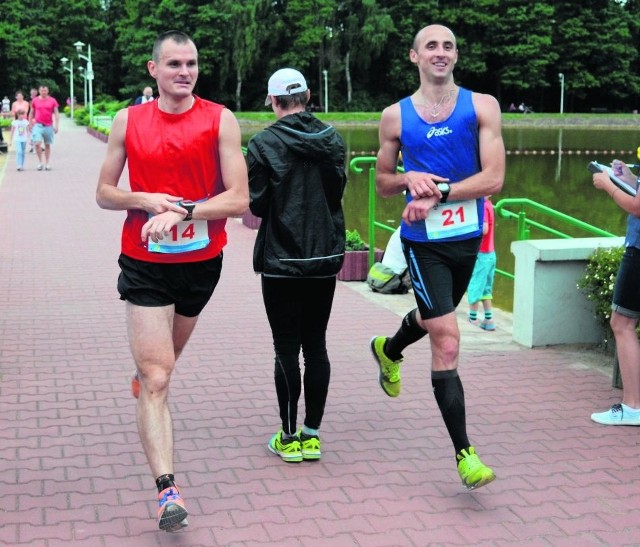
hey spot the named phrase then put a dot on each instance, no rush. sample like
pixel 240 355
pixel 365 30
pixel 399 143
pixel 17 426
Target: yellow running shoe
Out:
pixel 389 375
pixel 472 471
pixel 290 450
pixel 310 446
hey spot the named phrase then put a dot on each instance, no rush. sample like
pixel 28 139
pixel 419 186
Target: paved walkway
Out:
pixel 71 466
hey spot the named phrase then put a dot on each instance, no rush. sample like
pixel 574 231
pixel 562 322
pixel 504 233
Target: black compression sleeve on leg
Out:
pixel 449 394
pixel 408 333
pixel 165 481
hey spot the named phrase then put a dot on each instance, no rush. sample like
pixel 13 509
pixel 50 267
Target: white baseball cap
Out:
pixel 286 81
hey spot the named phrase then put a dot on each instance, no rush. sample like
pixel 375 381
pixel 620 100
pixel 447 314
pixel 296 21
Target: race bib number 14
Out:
pixel 452 219
pixel 183 237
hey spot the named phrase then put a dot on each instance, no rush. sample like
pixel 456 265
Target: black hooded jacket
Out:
pixel 296 180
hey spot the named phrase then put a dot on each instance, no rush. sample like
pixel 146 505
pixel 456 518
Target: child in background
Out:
pixel 481 284
pixel 19 133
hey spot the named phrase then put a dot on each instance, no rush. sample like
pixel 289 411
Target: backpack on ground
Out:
pixel 384 280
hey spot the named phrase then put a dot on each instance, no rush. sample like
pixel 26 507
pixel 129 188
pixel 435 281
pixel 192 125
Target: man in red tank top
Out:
pixel 44 120
pixel 172 239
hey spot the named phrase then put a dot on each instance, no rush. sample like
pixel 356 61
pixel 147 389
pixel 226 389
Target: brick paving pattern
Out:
pixel 72 469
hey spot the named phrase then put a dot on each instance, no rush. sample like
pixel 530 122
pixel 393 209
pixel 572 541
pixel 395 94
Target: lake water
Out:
pixel 546 165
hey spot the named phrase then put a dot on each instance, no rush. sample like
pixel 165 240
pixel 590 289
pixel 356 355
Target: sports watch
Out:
pixel 189 206
pixel 444 188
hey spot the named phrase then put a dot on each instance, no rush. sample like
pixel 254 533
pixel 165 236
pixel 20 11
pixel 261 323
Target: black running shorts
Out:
pixel 440 273
pixel 626 292
pixel 188 285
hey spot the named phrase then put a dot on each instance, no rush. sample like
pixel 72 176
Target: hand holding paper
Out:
pixel 595 167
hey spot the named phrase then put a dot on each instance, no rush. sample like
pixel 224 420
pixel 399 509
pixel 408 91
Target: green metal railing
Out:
pixel 372 223
pixel 524 224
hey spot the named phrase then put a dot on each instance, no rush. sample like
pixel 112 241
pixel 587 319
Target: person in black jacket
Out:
pixel 296 181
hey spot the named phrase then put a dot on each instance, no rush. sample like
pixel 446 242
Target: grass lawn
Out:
pixel 537 120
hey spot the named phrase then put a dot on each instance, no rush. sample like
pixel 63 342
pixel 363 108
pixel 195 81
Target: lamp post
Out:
pixel 88 74
pixel 69 69
pixel 326 90
pixel 561 77
pixel 84 77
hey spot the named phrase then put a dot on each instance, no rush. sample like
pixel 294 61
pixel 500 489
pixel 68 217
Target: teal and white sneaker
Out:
pixel 616 415
pixel 389 371
pixel 487 324
pixel 289 450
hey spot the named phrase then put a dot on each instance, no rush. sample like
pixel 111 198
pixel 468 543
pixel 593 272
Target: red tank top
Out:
pixel 175 154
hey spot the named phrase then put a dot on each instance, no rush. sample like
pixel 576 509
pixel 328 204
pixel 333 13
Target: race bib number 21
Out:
pixel 452 219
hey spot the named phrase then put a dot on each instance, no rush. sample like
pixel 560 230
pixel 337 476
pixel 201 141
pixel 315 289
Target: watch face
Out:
pixel 444 187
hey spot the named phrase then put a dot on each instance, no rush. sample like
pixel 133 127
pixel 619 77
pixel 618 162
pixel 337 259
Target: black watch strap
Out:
pixel 189 206
pixel 445 193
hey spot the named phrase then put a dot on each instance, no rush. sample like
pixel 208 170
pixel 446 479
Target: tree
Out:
pixel 509 48
pixel 519 50
pixel 363 31
pixel 311 24
pixel 31 47
pixel 249 35
pixel 136 31
pixel 22 38
pixel 596 58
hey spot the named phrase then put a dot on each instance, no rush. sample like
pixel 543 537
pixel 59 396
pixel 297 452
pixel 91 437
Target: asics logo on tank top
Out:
pixel 438 132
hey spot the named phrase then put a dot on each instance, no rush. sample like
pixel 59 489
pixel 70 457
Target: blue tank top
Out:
pixel 449 149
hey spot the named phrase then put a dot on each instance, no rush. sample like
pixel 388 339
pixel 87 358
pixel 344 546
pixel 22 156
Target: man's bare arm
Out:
pixel 388 181
pixel 490 179
pixel 234 201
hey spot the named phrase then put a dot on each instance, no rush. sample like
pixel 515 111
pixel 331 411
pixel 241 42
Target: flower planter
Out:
pixel 95 133
pixel 250 220
pixel 356 265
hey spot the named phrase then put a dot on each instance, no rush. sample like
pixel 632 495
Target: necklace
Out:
pixel 435 108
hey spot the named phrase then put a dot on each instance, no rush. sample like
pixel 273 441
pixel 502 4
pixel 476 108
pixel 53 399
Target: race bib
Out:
pixel 185 236
pixel 452 219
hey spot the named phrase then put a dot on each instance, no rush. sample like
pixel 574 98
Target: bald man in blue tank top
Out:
pixel 453 154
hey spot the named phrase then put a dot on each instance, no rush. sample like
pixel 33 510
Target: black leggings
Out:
pixel 298 310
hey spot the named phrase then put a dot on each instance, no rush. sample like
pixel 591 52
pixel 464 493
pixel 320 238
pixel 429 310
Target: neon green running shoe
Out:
pixel 389 375
pixel 290 450
pixel 310 446
pixel 472 471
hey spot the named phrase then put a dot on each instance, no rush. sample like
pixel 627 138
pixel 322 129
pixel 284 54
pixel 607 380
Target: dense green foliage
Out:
pixel 513 49
pixel 354 241
pixel 599 279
